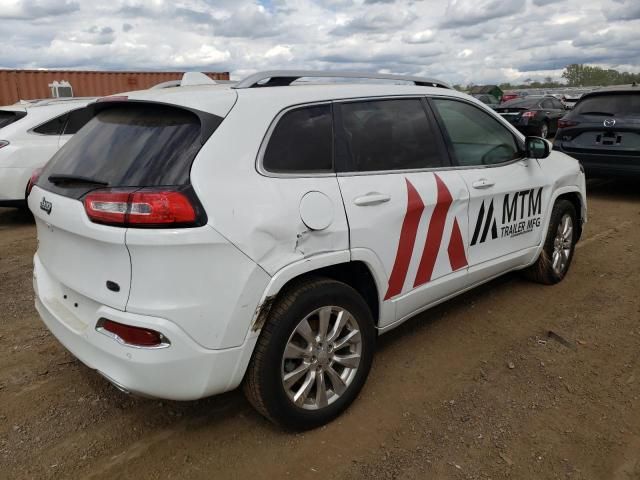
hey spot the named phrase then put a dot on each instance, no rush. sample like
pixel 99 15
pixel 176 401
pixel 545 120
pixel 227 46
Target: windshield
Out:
pixel 128 145
pixel 613 104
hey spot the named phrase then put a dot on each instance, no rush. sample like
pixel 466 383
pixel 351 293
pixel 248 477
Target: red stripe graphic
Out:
pixel 457 257
pixel 434 234
pixel 415 206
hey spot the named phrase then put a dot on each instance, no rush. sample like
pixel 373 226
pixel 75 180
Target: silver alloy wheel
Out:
pixel 321 357
pixel 544 130
pixel 562 244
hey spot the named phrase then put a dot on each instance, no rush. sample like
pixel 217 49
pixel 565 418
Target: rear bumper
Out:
pixel 606 164
pixel 182 371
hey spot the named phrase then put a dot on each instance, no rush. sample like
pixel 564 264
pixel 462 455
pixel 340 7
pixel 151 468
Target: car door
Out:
pixel 407 212
pixel 76 119
pixel 508 192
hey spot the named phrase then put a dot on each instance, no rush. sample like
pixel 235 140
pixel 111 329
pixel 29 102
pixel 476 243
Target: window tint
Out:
pixel 129 146
pixel 389 135
pixel 476 137
pixel 52 127
pixel 7 118
pixel 613 104
pixel 302 141
pixel 557 104
pixel 547 104
pixel 77 120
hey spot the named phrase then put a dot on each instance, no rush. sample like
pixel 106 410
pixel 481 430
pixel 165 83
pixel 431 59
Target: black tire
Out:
pixel 263 384
pixel 542 270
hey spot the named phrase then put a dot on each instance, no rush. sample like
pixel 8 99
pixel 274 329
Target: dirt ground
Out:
pixel 474 389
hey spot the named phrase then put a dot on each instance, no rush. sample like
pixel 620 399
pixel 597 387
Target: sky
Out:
pixel 458 41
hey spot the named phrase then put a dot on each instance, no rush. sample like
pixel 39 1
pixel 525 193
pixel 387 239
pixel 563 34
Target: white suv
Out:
pixel 30 133
pixel 195 238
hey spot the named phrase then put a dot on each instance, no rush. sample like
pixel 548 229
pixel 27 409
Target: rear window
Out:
pixel 7 118
pixel 128 145
pixel 521 103
pixel 613 104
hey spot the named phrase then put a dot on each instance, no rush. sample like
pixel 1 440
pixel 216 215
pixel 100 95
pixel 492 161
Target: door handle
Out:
pixel 482 183
pixel 373 198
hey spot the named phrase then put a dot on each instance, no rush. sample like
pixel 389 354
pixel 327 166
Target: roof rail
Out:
pixel 280 78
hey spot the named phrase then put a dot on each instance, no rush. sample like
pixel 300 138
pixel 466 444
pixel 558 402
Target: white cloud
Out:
pixel 460 41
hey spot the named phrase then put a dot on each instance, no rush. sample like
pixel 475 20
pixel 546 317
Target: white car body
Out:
pixel 208 289
pixel 28 150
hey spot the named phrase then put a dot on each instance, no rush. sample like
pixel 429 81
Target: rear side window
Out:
pixel 614 104
pixel 388 135
pixel 7 118
pixel 476 137
pixel 77 120
pixel 130 145
pixel 52 127
pixel 302 141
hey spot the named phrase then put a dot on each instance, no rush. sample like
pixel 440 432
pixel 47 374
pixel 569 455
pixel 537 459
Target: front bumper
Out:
pixel 182 371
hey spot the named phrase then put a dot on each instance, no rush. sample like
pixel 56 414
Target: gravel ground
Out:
pixel 476 388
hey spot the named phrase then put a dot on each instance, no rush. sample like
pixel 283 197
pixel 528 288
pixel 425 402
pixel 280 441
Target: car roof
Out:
pixel 219 98
pixel 632 88
pixel 25 105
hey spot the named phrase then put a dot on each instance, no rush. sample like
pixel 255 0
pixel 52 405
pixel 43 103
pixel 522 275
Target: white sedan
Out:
pixel 30 133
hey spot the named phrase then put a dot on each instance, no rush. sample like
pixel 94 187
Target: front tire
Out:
pixel 313 355
pixel 559 246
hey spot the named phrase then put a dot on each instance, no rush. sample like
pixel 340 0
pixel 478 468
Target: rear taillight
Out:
pixel 33 180
pixel 141 207
pixel 528 114
pixel 566 123
pixel 133 336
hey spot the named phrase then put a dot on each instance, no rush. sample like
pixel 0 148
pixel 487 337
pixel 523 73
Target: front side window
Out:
pixel 302 141
pixel 476 137
pixel 389 135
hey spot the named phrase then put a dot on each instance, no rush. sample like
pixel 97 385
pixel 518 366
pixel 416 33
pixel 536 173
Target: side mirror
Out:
pixel 537 147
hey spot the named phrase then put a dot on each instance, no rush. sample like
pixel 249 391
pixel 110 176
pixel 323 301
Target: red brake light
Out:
pixel 566 123
pixel 140 208
pixel 528 114
pixel 33 180
pixel 135 336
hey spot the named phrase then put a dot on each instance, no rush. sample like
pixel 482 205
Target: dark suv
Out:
pixel 603 131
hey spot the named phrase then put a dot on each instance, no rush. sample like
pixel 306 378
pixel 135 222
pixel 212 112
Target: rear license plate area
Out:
pixel 609 139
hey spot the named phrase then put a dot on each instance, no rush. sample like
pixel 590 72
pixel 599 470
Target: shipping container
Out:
pixel 18 85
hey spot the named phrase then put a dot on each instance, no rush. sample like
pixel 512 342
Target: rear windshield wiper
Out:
pixel 57 178
pixel 608 114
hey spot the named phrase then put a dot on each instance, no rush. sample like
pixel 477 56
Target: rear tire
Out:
pixel 559 246
pixel 297 376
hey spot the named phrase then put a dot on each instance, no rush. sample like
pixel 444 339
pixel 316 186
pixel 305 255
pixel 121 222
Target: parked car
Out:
pixel 533 115
pixel 488 100
pixel 509 95
pixel 264 233
pixel 569 101
pixel 30 133
pixel 603 131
